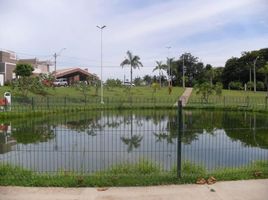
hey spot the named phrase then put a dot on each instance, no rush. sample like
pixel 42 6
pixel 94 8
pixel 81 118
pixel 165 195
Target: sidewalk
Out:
pixel 228 190
pixel 185 96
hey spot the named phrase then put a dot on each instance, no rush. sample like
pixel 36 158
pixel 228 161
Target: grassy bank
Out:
pixel 115 92
pixel 141 174
pixel 232 100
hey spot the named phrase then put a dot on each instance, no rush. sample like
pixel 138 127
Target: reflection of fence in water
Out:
pixel 94 141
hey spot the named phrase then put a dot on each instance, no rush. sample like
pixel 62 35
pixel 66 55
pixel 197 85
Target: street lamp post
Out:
pixel 55 58
pixel 101 28
pixel 169 74
pixel 255 72
pixel 183 72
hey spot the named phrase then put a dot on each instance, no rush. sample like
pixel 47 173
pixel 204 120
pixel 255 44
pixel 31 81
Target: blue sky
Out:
pixel 211 30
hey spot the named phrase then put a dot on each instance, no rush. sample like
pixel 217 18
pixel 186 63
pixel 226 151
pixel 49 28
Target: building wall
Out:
pixel 42 66
pixel 9 57
pixel 7 64
pixel 9 75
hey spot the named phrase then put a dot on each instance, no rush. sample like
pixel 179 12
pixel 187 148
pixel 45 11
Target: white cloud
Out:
pixel 44 27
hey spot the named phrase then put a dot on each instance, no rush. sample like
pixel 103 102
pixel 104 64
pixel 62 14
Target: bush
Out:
pixel 235 85
pixel 205 90
pixel 260 85
pixel 113 83
pixel 250 85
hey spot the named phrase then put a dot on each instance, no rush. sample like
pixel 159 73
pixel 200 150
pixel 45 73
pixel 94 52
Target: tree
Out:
pixel 113 83
pixel 24 70
pixel 147 79
pixel 133 61
pixel 264 71
pixel 209 73
pixel 160 67
pixel 194 70
pixel 205 90
pixel 25 84
pixel 83 87
pixel 138 81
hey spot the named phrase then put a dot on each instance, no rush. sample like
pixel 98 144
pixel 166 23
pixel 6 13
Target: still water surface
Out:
pixel 93 141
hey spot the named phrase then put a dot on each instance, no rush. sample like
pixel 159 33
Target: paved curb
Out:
pixel 228 190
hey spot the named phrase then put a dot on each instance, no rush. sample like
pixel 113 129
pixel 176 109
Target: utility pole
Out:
pixel 101 28
pixel 250 73
pixel 255 72
pixel 55 62
pixel 55 58
pixel 183 72
pixel 169 70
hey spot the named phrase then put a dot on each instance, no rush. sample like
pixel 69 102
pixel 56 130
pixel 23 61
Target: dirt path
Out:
pixel 185 96
pixel 229 190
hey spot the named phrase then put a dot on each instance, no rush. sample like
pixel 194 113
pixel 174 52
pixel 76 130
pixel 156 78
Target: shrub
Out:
pixel 235 85
pixel 260 85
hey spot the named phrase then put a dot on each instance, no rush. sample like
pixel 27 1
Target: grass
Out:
pixel 66 99
pixel 117 92
pixel 233 100
pixel 143 173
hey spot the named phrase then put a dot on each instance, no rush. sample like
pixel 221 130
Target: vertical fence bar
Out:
pixel 32 103
pixel 179 138
pixel 266 101
pixel 47 102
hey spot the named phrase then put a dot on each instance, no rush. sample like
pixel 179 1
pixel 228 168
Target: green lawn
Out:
pixel 62 98
pixel 231 98
pixel 145 173
pixel 137 92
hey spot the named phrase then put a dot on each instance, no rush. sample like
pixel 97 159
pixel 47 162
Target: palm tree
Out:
pixel 159 67
pixel 264 71
pixel 133 61
pixel 133 142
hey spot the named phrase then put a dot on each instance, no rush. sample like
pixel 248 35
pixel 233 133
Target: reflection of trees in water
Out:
pixel 133 142
pixel 241 126
pixel 32 134
pixel 161 136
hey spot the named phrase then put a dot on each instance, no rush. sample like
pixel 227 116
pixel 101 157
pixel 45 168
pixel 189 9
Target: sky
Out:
pixel 211 30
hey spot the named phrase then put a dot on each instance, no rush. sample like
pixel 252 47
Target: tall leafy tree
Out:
pixel 133 61
pixel 193 70
pixel 209 73
pixel 264 71
pixel 24 70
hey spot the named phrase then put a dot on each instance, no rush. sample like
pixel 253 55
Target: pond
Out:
pixel 93 141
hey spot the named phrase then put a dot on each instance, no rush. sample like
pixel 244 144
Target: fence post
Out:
pixel 179 138
pixel 32 103
pixel 266 101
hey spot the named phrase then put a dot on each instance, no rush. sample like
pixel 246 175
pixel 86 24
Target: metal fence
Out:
pixel 245 102
pixel 174 141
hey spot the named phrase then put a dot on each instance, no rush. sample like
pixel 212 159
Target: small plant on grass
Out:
pixel 84 88
pixel 205 90
pixel 235 85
